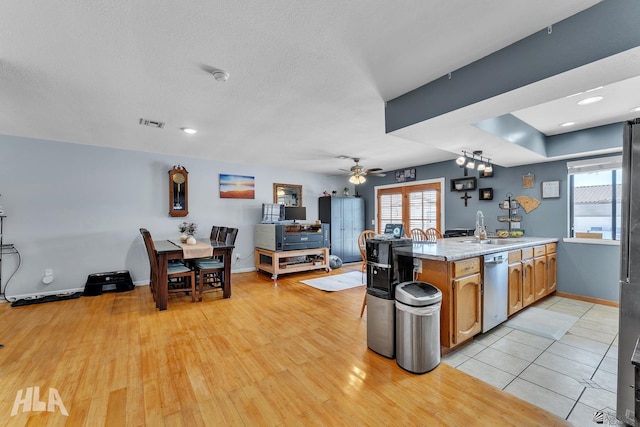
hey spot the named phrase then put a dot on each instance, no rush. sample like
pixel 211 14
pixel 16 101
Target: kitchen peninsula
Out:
pixel 457 266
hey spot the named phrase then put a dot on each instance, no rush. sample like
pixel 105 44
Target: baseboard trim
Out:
pixel 588 299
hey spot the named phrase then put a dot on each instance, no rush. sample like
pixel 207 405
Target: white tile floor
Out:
pixel 573 377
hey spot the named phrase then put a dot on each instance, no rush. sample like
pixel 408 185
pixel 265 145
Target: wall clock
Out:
pixel 178 191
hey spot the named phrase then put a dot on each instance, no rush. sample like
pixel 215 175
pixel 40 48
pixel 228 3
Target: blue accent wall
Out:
pixel 583 269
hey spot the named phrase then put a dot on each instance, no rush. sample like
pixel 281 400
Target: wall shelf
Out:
pixel 464 184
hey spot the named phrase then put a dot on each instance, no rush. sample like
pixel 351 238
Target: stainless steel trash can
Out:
pixel 418 326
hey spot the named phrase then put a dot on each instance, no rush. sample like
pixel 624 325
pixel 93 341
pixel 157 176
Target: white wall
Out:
pixel 77 209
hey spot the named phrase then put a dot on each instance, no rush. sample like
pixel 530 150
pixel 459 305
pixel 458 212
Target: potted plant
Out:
pixel 188 229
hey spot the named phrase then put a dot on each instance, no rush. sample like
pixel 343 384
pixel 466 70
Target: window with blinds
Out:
pixel 595 189
pixel 415 206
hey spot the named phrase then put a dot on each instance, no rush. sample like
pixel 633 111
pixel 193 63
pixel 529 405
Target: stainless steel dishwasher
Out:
pixel 494 295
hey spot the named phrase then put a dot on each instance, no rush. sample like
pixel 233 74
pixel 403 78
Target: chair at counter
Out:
pixel 433 234
pixel 418 235
pixel 362 245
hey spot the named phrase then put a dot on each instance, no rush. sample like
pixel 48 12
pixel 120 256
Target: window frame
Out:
pixel 439 181
pixel 603 163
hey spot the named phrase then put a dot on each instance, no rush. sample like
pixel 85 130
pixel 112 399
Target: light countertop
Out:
pixel 456 248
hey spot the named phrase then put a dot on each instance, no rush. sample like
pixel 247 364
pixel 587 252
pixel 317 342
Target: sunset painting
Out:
pixel 237 187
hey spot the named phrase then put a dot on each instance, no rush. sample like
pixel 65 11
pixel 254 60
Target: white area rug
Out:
pixel 546 323
pixel 337 282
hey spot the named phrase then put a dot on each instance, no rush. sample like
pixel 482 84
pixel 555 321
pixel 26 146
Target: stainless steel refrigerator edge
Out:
pixel 629 327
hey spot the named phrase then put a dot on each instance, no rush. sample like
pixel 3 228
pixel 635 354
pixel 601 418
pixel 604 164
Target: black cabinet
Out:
pixel 345 215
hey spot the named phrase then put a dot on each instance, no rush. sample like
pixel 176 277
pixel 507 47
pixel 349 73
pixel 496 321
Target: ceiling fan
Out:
pixel 358 172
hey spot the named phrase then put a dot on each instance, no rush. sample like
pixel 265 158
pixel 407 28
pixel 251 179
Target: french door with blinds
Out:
pixel 415 206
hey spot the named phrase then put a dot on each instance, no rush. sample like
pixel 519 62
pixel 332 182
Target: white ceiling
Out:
pixel 308 80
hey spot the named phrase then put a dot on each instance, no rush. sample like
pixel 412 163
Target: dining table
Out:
pixel 167 250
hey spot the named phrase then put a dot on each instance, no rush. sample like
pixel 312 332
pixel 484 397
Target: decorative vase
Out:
pixel 183 237
pixel 191 240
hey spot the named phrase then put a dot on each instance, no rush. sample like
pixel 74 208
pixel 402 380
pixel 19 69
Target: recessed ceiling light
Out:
pixel 595 88
pixel 566 124
pixel 591 100
pixel 189 130
pixel 586 91
pixel 635 109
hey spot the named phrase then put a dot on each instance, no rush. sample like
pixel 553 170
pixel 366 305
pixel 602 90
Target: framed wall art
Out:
pixel 550 189
pixel 406 175
pixel 237 187
pixel 485 194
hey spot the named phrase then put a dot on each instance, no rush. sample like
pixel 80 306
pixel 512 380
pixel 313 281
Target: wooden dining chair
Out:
pixel 210 271
pixel 433 234
pixel 362 245
pixel 418 235
pixel 180 277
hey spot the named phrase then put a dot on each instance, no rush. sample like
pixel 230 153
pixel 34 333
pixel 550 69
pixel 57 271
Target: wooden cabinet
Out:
pixel 528 294
pixel 345 216
pixel 522 286
pixel 532 275
pixel 514 293
pixel 467 312
pixel 539 271
pixel 552 272
pixel 460 284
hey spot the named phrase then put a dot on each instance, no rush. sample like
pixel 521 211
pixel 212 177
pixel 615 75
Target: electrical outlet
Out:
pixel 417 265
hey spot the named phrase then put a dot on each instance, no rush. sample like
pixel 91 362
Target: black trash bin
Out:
pixel 418 326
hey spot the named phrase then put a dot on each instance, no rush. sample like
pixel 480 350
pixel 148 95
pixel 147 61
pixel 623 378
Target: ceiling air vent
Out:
pixel 152 123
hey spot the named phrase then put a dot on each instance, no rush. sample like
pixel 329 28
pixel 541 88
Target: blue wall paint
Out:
pixel 605 29
pixel 77 209
pixel 512 129
pixel 599 138
pixel 583 269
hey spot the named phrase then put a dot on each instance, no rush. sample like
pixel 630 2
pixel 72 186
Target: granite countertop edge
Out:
pixel 453 249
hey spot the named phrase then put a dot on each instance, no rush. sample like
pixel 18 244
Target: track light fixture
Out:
pixel 469 161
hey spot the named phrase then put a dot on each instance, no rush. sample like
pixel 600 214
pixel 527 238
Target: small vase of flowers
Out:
pixel 187 229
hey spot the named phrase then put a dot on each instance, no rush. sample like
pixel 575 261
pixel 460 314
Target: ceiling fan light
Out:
pixel 357 179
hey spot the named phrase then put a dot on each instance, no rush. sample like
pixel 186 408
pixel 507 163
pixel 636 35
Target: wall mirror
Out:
pixel 178 191
pixel 287 194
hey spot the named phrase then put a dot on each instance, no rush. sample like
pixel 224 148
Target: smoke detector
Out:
pixel 220 75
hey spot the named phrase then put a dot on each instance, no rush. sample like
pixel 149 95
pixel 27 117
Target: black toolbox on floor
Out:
pixel 118 281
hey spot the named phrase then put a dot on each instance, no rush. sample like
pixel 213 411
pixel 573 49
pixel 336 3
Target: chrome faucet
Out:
pixel 480 232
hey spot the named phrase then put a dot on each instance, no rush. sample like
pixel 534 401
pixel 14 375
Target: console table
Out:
pixel 281 262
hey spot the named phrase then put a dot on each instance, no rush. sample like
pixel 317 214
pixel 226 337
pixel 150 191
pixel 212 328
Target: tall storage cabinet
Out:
pixel 345 215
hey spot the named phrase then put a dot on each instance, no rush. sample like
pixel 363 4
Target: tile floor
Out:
pixel 572 377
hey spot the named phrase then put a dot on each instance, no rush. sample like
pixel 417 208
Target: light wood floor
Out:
pixel 278 356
